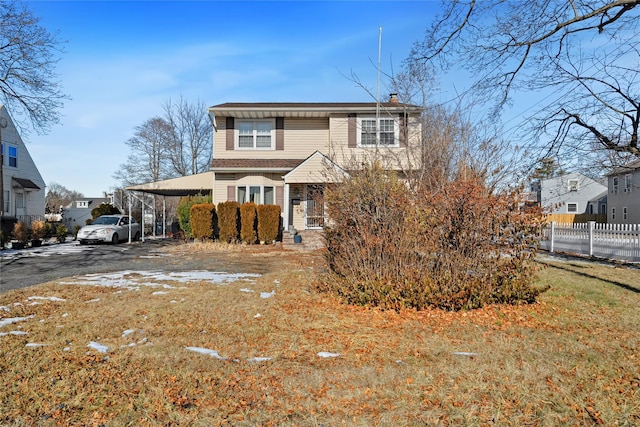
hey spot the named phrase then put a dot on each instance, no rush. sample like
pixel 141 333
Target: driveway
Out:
pixel 28 267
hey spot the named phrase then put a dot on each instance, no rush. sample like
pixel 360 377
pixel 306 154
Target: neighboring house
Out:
pixel 286 153
pixel 78 211
pixel 624 194
pixel 23 189
pixel 571 193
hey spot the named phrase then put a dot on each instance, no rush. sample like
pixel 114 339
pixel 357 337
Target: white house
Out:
pixel 23 189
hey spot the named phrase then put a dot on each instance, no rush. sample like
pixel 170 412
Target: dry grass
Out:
pixel 572 359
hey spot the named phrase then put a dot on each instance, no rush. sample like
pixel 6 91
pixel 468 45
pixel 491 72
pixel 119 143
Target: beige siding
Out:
pixel 223 181
pixel 391 158
pixel 302 137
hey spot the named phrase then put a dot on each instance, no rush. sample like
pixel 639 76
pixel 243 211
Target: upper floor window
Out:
pixel 256 135
pixel 572 184
pixel 615 180
pixel 386 133
pixel 82 204
pixel 11 155
pixel 628 183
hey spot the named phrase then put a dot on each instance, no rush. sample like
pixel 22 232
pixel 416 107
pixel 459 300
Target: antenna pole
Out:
pixel 378 85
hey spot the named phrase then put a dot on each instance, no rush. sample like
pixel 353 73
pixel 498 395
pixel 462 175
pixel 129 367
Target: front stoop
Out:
pixel 311 240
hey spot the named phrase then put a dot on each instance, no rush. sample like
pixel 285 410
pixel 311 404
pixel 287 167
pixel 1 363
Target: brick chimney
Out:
pixel 393 98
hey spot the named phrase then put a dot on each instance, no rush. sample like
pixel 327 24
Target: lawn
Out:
pixel 202 349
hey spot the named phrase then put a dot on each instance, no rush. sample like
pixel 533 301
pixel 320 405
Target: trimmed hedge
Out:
pixel 249 223
pixel 203 221
pixel 268 222
pixel 184 211
pixel 229 221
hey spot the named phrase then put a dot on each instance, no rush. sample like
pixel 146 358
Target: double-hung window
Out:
pixel 10 155
pixel 256 135
pixel 258 194
pixel 615 185
pixel 628 183
pixel 385 133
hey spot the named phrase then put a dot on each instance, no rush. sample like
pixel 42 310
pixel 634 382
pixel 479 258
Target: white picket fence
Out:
pixel 611 241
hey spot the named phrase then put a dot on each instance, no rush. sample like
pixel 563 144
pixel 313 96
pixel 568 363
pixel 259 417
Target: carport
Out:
pixel 191 185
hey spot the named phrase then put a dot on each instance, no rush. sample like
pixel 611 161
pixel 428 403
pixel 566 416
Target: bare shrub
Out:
pixel 459 248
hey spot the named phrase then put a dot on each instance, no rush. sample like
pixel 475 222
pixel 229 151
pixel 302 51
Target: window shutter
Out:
pixel 231 193
pixel 230 126
pixel 402 122
pixel 280 197
pixel 352 129
pixel 279 133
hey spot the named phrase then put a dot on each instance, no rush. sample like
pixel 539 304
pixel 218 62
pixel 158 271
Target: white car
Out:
pixel 109 229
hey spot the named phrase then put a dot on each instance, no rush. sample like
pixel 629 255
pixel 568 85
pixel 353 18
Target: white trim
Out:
pixel 396 132
pixel 248 187
pixel 236 135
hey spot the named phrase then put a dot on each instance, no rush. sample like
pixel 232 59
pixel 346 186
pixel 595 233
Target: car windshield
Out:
pixel 106 220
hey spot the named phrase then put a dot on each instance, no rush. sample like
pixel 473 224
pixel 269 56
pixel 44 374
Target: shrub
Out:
pixel 184 211
pixel 268 223
pixel 49 230
pixel 20 232
pixel 229 221
pixel 459 248
pixel 203 221
pixel 61 233
pixel 38 229
pixel 104 209
pixel 249 223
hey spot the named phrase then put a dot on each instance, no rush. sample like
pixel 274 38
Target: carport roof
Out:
pixel 201 183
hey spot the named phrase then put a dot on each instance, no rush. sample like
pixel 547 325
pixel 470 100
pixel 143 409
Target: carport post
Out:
pixel 129 217
pixel 142 218
pixel 164 217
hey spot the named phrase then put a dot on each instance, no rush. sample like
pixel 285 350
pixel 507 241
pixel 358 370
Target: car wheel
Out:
pixel 114 239
pixel 136 237
pixel 83 242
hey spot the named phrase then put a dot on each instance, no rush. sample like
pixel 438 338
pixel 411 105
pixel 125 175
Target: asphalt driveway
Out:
pixel 28 267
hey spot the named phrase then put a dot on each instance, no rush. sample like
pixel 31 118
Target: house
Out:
pixel 79 210
pixel 22 186
pixel 287 153
pixel 623 197
pixel 571 193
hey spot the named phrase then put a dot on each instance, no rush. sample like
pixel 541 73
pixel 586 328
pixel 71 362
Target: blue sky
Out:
pixel 125 59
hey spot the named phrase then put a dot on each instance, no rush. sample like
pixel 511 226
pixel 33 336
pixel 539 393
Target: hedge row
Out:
pixel 232 222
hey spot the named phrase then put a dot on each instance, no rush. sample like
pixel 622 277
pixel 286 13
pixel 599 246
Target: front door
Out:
pixel 314 211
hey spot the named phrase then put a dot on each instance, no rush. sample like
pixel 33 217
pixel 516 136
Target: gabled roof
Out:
pixel 629 167
pixel 317 168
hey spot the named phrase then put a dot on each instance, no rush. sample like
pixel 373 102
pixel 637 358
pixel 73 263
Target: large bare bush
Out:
pixel 458 248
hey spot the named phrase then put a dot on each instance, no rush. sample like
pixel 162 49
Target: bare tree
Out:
pixel 58 195
pixel 191 148
pixel 149 152
pixel 585 52
pixel 29 86
pixel 449 143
